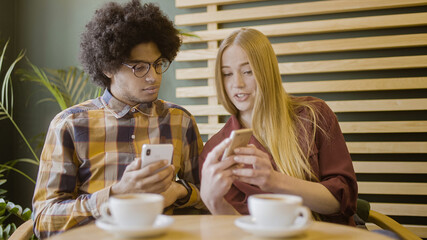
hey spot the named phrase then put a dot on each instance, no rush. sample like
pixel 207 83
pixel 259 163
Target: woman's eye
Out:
pixel 247 72
pixel 226 74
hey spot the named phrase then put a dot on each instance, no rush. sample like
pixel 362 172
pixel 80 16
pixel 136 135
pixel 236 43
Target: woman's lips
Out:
pixel 241 97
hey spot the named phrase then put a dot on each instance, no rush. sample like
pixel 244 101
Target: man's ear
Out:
pixel 108 75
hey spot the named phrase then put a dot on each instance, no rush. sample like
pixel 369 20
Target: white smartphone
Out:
pixel 239 138
pixel 156 152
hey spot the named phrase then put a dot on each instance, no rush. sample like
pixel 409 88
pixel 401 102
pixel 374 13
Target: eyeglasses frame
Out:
pixel 149 66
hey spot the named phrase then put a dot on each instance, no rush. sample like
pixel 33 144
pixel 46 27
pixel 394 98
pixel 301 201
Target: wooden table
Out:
pixel 222 227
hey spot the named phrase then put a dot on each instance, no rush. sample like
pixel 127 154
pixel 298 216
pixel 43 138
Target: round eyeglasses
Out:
pixel 141 69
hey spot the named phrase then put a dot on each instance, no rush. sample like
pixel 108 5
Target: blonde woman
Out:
pixel 297 146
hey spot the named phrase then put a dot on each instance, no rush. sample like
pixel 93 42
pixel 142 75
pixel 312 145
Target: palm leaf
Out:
pixel 7 86
pixel 68 87
pixel 37 75
pixel 18 171
pixel 74 84
pixel 22 160
pixel 6 89
pixel 6 108
pixel 2 54
pixel 78 92
pixel 185 32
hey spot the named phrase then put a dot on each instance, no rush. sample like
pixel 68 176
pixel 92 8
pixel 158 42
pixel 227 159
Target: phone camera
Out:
pixel 148 152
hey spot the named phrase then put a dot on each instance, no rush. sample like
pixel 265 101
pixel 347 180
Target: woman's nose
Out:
pixel 238 81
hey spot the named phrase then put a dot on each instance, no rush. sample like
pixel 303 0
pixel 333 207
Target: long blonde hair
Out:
pixel 274 120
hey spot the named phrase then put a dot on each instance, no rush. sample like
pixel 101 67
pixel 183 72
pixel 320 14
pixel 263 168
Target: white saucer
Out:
pixel 160 226
pixel 247 224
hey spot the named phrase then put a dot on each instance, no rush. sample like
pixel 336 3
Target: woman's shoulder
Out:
pixel 307 106
pixel 319 106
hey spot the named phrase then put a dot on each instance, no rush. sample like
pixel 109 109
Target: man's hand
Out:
pixel 139 180
pixel 174 192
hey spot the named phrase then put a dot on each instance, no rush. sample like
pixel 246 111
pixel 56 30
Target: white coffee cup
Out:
pixel 278 210
pixel 136 210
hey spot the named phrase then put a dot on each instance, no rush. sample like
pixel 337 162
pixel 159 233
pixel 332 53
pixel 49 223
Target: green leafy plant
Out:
pixel 67 87
pixel 8 208
pixel 186 33
pixel 6 112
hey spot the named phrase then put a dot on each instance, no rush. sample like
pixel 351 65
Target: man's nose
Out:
pixel 151 76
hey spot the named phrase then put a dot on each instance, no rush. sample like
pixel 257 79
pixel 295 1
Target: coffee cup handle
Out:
pixel 105 213
pixel 304 216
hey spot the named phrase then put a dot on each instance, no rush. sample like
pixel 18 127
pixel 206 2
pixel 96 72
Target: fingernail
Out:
pixel 236 158
pixel 236 150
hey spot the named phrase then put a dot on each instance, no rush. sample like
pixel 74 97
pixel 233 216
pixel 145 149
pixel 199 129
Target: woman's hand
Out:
pixel 262 174
pixel 217 177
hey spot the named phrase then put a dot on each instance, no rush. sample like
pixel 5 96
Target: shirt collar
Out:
pixel 120 109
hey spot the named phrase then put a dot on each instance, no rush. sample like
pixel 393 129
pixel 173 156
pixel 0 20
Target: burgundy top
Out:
pixel 329 159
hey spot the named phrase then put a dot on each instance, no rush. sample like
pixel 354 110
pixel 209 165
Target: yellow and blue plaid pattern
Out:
pixel 88 147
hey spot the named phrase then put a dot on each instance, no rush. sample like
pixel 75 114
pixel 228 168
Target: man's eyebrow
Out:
pixel 141 61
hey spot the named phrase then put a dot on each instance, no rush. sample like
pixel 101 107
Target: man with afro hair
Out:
pixel 92 149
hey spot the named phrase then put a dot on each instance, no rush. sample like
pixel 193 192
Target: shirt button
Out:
pixel 133 136
pixel 133 110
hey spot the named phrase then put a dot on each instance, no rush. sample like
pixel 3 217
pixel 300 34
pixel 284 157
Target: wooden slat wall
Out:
pixel 367 59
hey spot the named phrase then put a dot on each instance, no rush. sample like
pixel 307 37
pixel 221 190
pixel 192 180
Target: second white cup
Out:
pixel 133 210
pixel 278 210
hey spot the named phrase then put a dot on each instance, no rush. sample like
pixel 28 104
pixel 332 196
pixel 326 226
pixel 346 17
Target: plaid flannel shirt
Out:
pixel 88 147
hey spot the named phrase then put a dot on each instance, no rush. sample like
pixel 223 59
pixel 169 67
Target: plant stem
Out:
pixel 20 133
pixel 18 171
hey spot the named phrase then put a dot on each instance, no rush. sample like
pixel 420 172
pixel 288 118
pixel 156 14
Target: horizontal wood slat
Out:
pixel 393 188
pixel 194 73
pixel 323 46
pixel 384 127
pixel 386 147
pixel 336 106
pixel 351 44
pixel 327 66
pixel 320 26
pixel 378 105
pixel 349 65
pixel 353 127
pixel 390 167
pixel 400 209
pixel 206 110
pixel 291 10
pixel 419 230
pixel 202 3
pixel 380 84
pixel 196 55
pixel 206 128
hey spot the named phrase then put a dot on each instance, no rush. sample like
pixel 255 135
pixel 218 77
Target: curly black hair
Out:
pixel 116 29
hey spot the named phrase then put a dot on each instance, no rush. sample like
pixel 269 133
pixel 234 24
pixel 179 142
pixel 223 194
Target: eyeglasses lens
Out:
pixel 141 69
